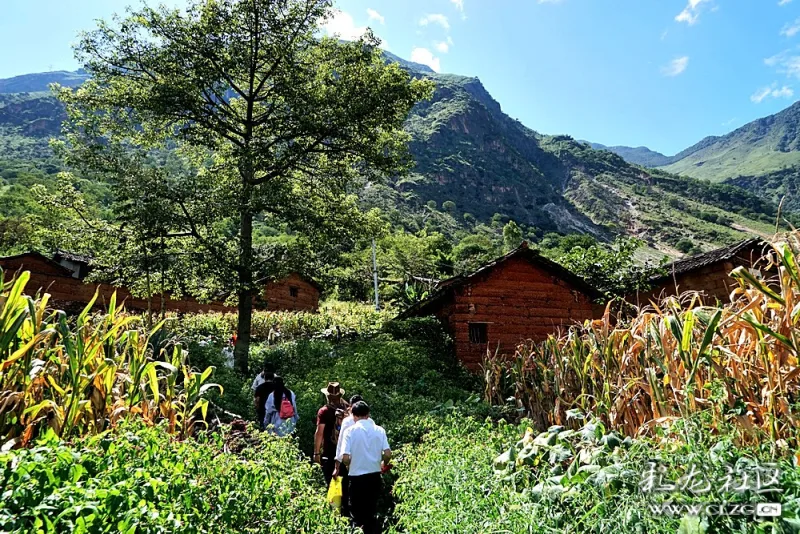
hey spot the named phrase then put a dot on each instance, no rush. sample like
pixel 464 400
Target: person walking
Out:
pixel 281 410
pixel 263 385
pixel 339 469
pixel 364 450
pixel 329 422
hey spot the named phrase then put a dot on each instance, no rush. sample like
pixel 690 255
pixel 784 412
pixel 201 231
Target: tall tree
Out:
pixel 279 122
pixel 512 236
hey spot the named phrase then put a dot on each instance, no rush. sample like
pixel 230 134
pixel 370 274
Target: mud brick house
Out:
pixel 707 274
pixel 516 297
pixel 290 293
pixel 63 278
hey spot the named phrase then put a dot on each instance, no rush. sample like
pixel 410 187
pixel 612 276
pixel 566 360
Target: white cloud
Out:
pixel 441 46
pixel 426 57
pixel 676 66
pixel 374 15
pixel 791 29
pixel 776 59
pixel 435 18
pixel 784 2
pixel 791 67
pixel 772 91
pixel 729 122
pixel 786 63
pixel 460 4
pixel 691 13
pixel 342 25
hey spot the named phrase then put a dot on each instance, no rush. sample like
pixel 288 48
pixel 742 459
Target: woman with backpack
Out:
pixel 281 410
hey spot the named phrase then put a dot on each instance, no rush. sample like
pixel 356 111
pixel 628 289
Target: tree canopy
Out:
pixel 272 123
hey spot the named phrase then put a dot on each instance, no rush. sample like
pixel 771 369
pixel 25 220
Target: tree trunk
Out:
pixel 149 290
pixel 241 351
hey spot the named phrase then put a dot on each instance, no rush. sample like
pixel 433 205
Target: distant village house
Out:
pixel 517 297
pixel 63 277
pixel 708 273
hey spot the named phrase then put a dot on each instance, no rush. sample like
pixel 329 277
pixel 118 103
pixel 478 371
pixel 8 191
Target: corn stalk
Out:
pixel 671 359
pixel 77 376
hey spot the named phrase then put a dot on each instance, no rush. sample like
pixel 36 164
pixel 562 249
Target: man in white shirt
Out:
pixel 341 470
pixel 364 449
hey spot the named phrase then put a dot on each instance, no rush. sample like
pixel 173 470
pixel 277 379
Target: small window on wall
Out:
pixel 293 292
pixel 477 333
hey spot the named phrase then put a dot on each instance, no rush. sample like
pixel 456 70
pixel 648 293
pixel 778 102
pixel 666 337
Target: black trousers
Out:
pixel 364 493
pixel 328 465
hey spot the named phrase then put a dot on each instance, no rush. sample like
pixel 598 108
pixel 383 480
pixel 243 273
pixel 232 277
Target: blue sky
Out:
pixel 659 73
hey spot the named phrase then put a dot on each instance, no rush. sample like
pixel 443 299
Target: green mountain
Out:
pixel 38 82
pixel 781 187
pixel 757 148
pixel 761 155
pixel 638 156
pixel 476 164
pixel 471 153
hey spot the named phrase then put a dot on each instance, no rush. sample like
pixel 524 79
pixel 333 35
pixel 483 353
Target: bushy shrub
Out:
pixel 401 380
pixel 137 479
pixel 471 477
pixel 335 320
pixel 425 331
pixel 237 396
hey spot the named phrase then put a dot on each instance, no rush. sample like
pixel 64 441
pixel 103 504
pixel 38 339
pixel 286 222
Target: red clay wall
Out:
pixel 518 301
pixel 278 295
pixel 712 281
pixel 72 294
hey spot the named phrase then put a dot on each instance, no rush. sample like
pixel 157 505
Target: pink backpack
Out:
pixel 287 409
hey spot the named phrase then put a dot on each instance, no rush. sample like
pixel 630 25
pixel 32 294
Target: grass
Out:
pixel 743 161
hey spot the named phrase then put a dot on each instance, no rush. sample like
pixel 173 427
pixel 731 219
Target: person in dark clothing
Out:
pixel 263 385
pixel 340 469
pixel 329 422
pixel 365 450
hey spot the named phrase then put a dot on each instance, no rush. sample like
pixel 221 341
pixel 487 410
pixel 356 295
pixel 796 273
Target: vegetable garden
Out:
pixel 109 427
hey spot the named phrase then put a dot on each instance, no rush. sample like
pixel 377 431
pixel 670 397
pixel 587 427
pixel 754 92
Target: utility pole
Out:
pixel 375 275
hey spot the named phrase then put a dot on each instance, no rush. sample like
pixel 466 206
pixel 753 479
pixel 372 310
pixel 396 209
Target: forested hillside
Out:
pixel 476 169
pixel 640 155
pixel 759 147
pixel 762 156
pixel 485 164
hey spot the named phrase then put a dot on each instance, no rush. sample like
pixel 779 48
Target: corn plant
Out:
pixel 79 376
pixel 737 362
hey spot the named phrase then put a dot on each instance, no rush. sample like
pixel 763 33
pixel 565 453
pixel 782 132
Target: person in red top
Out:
pixel 329 421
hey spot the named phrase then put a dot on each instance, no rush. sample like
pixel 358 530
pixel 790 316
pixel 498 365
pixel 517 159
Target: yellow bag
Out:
pixel 335 492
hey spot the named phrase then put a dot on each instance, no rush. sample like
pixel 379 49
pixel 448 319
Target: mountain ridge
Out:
pixel 40 81
pixel 755 153
pixel 486 166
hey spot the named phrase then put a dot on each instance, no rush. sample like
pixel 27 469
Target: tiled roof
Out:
pixel 709 258
pixel 447 286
